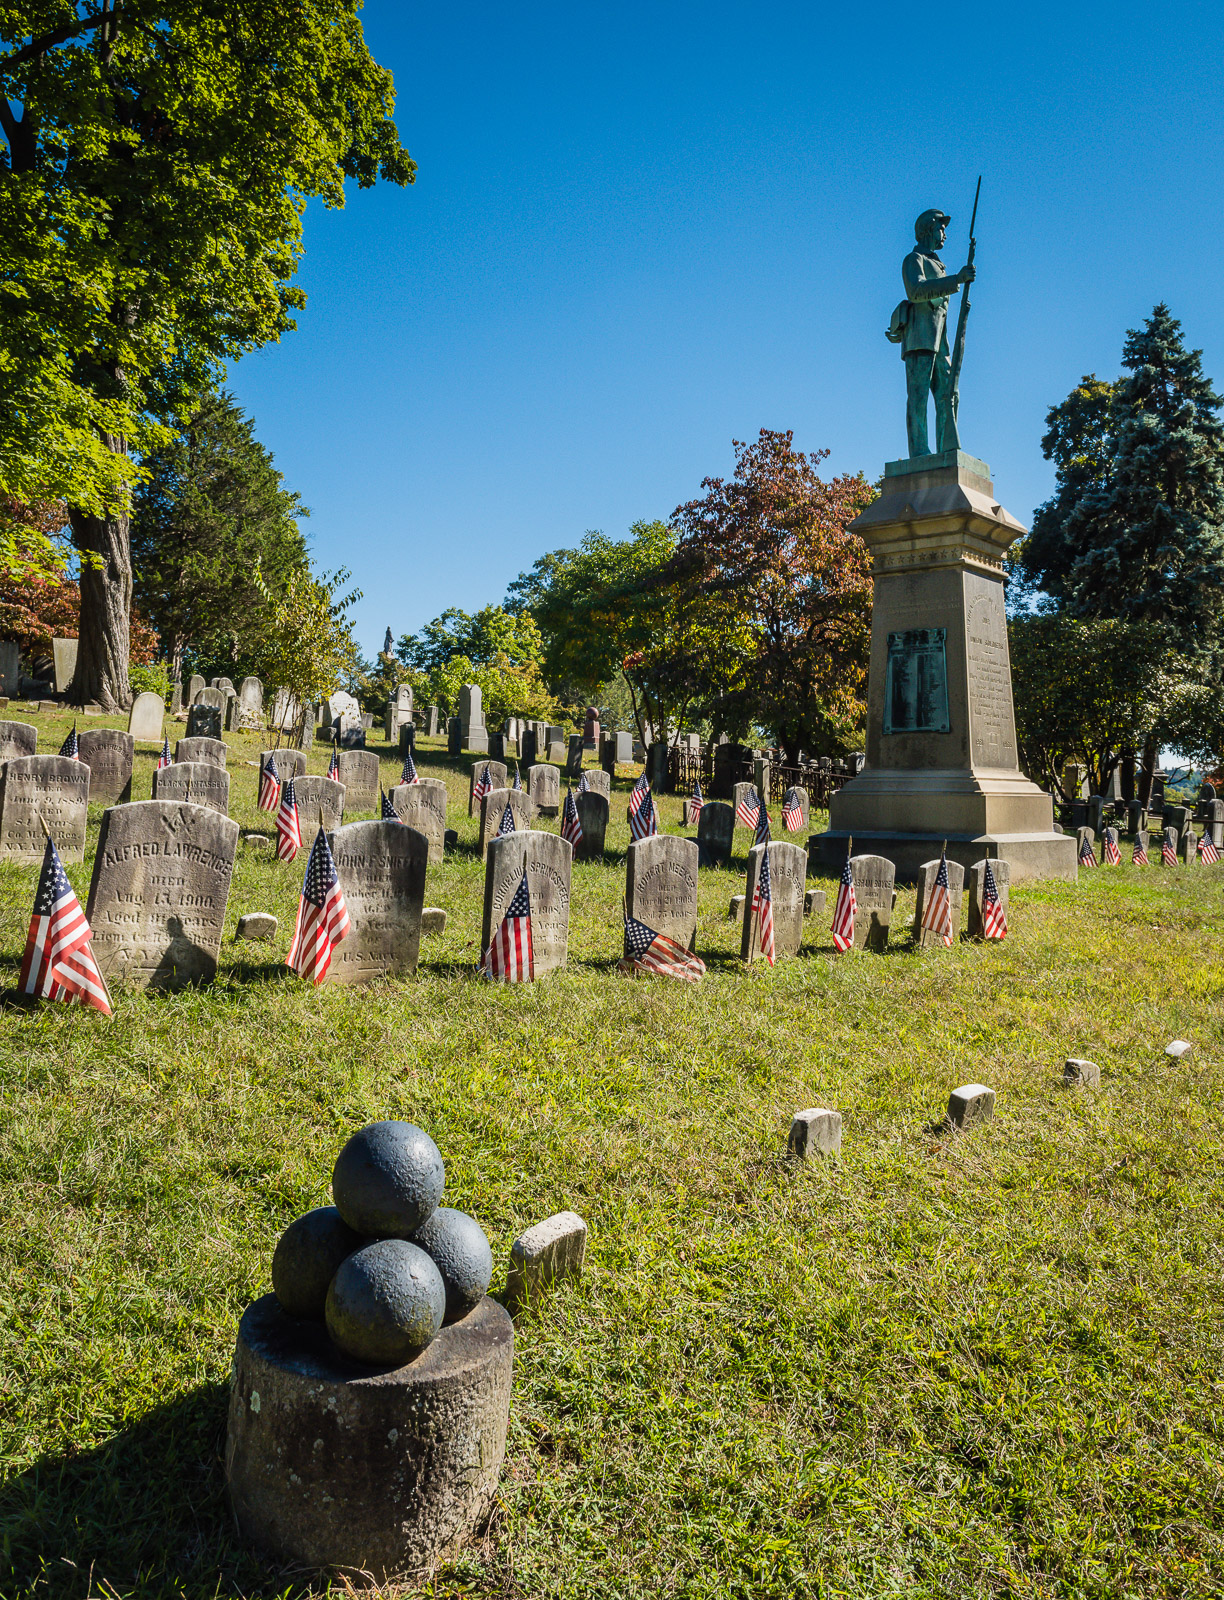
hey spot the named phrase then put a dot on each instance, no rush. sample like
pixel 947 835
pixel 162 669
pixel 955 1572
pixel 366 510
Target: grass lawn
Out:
pixel 948 1364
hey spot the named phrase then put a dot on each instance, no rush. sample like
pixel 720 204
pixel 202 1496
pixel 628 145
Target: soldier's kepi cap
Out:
pixel 929 220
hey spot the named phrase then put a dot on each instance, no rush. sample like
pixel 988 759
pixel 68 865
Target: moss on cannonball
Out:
pixel 386 1303
pixel 388 1179
pixel 459 1249
pixel 308 1256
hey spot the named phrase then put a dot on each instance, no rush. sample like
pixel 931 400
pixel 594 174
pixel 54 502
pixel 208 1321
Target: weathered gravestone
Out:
pixel 473 733
pixel 204 720
pixel 926 938
pixel 874 880
pixel 423 806
pixel 497 780
pixel 593 811
pixel 249 712
pixel 286 712
pixel 313 793
pixel 661 886
pixel 289 763
pixel 546 858
pixel 787 885
pixel 64 657
pixel 214 751
pixel 18 739
pixel 544 787
pixel 746 793
pixel 657 771
pixel 800 801
pixel 194 685
pixel 573 756
pixel 433 722
pixel 528 745
pixel 199 782
pixel 176 699
pixel 454 737
pixel 407 738
pixel 381 867
pixel 600 781
pixel 38 789
pixel 157 898
pixel 555 752
pixel 147 717
pixel 358 772
pixel 493 809
pixel 225 686
pixel 108 754
pixel 497 747
pixel 1188 848
pixel 10 667
pixel 715 833
pixel 1176 817
pixel 977 880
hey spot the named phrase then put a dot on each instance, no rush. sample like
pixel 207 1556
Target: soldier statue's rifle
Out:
pixel 958 348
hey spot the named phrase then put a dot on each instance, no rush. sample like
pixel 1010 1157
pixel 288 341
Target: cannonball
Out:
pixel 387 1179
pixel 307 1257
pixel 386 1303
pixel 459 1249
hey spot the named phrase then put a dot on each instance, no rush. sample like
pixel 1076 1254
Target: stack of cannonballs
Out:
pixel 386 1265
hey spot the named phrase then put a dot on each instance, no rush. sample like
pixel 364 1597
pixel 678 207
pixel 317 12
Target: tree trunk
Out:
pixel 106 609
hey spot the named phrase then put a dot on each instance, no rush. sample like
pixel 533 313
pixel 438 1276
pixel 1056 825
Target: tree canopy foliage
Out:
pixel 497 649
pixel 306 643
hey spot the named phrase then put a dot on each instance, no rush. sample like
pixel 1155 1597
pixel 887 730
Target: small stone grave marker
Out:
pixel 108 754
pixel 788 880
pixel 715 833
pixel 381 866
pixel 358 771
pixel 199 782
pixel 289 763
pixel 146 718
pixel 972 1102
pixel 423 806
pixel 815 1133
pixel 492 809
pixel 550 1250
pixel 927 938
pixel 600 782
pixel 593 816
pixel 454 738
pixel 18 739
pixel 573 757
pixel 874 877
pixel 314 792
pixel 746 792
pixel 1080 1073
pixel 528 745
pixel 544 787
pixel 497 780
pixel 194 684
pixel 798 799
pixel 546 858
pixel 661 885
pixel 977 880
pixel 34 789
pixel 203 719
pixel 213 751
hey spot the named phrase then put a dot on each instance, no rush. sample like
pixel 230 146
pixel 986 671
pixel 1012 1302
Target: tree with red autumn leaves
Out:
pixel 768 561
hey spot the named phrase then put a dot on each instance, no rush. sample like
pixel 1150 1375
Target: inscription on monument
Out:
pixel 38 789
pixel 916 683
pixel 661 886
pixel 546 857
pixel 423 806
pixel 991 717
pixel 381 866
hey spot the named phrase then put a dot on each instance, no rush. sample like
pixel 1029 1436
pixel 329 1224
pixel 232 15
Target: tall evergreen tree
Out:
pixel 1136 528
pixel 211 518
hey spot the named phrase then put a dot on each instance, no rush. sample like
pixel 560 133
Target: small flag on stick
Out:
pixel 937 913
pixel 269 785
pixel 1168 848
pixel 762 907
pixel 509 958
pixel 163 759
pixel 845 907
pixel 746 812
pixel 518 782
pixel 389 813
pixel 483 785
pixel 653 952
pixel 322 919
pixel 507 825
pixel 1139 855
pixel 571 827
pixel 333 766
pixel 58 963
pixel 70 747
pixel 792 811
pixel 1110 854
pixel 1208 849
pixel 644 822
pixel 584 784
pixel 994 918
pixel 1087 855
pixel 288 824
pixel 409 774
pixel 696 801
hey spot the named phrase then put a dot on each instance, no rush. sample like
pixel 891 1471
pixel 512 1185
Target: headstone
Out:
pixel 590 728
pixel 528 745
pixel 977 879
pixel 358 772
pixel 1179 1049
pixel 787 881
pixel 1075 781
pixel 607 754
pixel 304 736
pixel 593 813
pixel 204 720
pixel 403 699
pixel 972 1102
pixel 212 697
pixel 555 752
pixel 250 703
pixel 715 832
pixel 546 858
pixel 433 920
pixel 454 738
pixel 108 754
pixel 213 751
pixel 1096 804
pixel 1142 841
pixel 599 781
pixel 157 898
pixel 314 792
pixel 550 1250
pixel 1078 1073
pixel 194 684
pixel 407 738
pixel 798 799
pixel 1188 847
pixel 474 734
pixel 746 792
pixel 286 712
pixel 661 885
pixel 423 806
pixel 622 748
pixel 1176 817
pixel 257 926
pixel 381 867
pixel 497 780
pixel 1156 798
pixel 815 1133
pixel 1206 793
pixel 176 699
pixel 289 763
pixel 1136 817
pixel 341 707
pixel 10 667
pixel 762 768
pixel 352 736
pixel 18 739
pixel 573 756
pixel 38 789
pixel 925 938
pixel 198 782
pixel 657 768
pixel 544 787
pixel 874 878
pixel 433 721
pixel 147 717
pixel 64 653
pixel 493 808
pixel 497 747
pixel 226 686
pixel 814 903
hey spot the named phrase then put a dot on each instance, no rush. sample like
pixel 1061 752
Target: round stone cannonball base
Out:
pixel 334 1464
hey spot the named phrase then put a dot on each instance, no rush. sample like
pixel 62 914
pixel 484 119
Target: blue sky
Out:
pixel 641 231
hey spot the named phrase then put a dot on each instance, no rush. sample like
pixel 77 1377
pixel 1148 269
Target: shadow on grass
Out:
pixel 144 1514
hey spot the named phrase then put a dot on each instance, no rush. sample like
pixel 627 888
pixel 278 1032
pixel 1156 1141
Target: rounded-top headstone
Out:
pixel 388 1179
pixel 386 1303
pixel 307 1257
pixel 457 1245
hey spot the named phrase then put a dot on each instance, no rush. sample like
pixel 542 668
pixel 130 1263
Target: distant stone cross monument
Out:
pixel 941 735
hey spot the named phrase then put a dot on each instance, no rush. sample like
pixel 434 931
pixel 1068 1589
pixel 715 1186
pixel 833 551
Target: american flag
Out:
pixel 509 958
pixel 746 812
pixel 1087 856
pixel 288 824
pixel 389 813
pixel 994 918
pixel 762 827
pixel 163 759
pixel 792 811
pixel 70 746
pixel 844 909
pixel 58 963
pixel 507 822
pixel 1110 853
pixel 483 784
pixel 333 766
pixel 409 774
pixel 637 795
pixel 937 913
pixel 571 828
pixel 1207 849
pixel 518 781
pixel 584 784
pixel 269 785
pixel 1139 855
pixel 762 907
pixel 655 952
pixel 695 801
pixel 322 919
pixel 644 822
pixel 1168 848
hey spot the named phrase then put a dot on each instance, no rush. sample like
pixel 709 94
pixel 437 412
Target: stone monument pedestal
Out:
pixel 941 737
pixel 380 1470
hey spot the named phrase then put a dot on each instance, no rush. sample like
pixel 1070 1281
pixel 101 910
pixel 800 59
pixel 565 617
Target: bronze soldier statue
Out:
pixel 920 326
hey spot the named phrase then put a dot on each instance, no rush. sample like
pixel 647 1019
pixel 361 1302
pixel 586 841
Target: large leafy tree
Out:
pixel 158 157
pixel 493 631
pixel 213 525
pixel 768 558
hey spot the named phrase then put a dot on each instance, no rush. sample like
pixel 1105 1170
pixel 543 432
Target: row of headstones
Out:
pixel 1184 843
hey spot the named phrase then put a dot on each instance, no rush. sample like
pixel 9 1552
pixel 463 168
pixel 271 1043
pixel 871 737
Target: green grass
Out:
pixel 947 1364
